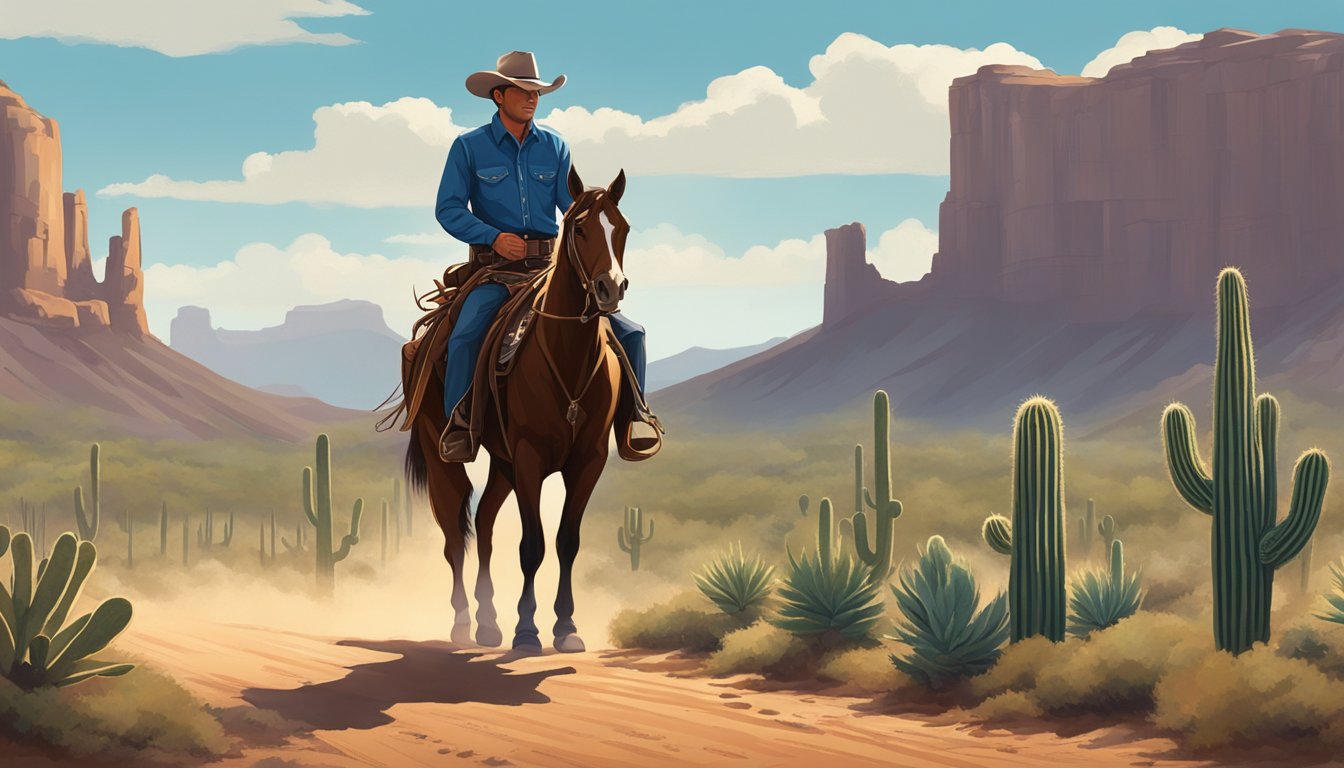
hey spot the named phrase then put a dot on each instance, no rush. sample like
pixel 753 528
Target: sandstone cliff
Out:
pixel 1125 195
pixel 45 273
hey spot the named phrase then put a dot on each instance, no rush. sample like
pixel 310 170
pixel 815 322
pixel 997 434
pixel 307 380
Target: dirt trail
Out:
pixel 407 703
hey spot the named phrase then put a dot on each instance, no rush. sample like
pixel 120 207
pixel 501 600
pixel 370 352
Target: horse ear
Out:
pixel 617 187
pixel 574 182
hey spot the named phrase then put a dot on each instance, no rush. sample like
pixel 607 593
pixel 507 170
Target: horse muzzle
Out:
pixel 608 290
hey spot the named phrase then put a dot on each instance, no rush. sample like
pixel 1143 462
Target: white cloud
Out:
pixel 904 252
pixel 174 27
pixel 1132 45
pixel 869 109
pixel 364 156
pixel 682 285
pixel 261 283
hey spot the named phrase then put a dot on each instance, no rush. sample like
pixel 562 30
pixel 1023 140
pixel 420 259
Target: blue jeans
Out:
pixel 479 308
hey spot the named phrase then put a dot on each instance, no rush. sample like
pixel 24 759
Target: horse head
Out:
pixel 594 236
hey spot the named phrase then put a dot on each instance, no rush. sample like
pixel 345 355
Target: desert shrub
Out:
pixel 682 623
pixel 1115 670
pixel 759 648
pixel 1249 700
pixel 949 635
pixel 1322 647
pixel 868 669
pixel 829 595
pixel 1103 597
pixel 734 583
pixel 130 718
pixel 1010 705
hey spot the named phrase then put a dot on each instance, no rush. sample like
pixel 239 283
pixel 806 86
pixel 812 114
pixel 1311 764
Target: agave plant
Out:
pixel 947 636
pixel 828 593
pixel 1335 613
pixel 734 583
pixel 1102 598
pixel 37 649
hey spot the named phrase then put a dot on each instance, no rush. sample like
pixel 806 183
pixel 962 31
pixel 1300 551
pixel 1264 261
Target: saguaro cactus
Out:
pixel 1108 529
pixel 1086 525
pixel 630 536
pixel 88 524
pixel 885 508
pixel 318 509
pixel 1037 599
pixel 1241 493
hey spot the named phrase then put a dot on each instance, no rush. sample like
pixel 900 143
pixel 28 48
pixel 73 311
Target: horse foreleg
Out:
pixel 532 549
pixel 581 476
pixel 497 489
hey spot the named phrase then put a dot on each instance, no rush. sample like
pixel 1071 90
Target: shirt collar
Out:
pixel 500 133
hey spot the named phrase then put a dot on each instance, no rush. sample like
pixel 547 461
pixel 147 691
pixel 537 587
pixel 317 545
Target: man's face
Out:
pixel 518 104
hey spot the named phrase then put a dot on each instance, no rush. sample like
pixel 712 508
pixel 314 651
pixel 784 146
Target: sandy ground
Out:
pixel 414 703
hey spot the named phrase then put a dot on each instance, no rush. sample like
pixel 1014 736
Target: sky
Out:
pixel 288 152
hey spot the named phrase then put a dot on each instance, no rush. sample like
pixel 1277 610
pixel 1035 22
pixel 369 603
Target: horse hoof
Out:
pixel 461 634
pixel 570 643
pixel 489 637
pixel 527 645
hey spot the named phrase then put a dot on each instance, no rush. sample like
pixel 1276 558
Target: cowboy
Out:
pixel 512 172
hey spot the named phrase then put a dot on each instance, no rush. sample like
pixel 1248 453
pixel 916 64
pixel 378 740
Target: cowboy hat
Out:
pixel 513 68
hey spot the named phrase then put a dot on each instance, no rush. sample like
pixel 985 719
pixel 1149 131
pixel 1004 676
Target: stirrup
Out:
pixel 456 443
pixel 632 448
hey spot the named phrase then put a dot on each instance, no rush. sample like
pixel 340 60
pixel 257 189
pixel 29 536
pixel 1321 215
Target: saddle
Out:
pixel 422 357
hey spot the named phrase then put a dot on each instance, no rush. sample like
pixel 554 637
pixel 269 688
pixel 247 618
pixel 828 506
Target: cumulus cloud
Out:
pixel 364 156
pixel 669 270
pixel 175 27
pixel 870 108
pixel 1132 45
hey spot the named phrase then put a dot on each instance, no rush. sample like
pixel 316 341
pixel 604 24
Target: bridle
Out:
pixel 589 298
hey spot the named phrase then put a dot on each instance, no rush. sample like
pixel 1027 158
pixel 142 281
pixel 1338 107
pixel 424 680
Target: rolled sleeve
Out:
pixel 454 190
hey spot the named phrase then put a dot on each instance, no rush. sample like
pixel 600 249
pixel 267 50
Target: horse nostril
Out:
pixel 602 292
pixel 625 284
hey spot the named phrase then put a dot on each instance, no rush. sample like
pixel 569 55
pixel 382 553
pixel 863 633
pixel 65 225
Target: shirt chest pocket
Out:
pixel 492 175
pixel 545 178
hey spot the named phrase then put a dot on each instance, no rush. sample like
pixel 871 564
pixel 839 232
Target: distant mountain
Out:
pixel 692 362
pixel 342 353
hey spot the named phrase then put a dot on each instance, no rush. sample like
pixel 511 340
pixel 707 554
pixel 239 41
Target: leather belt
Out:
pixel 532 248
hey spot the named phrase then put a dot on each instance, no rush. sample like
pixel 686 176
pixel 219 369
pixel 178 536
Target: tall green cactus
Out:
pixel 1037 599
pixel 630 536
pixel 1241 493
pixel 1086 525
pixel 885 508
pixel 318 509
pixel 88 524
pixel 36 650
pixel 1108 529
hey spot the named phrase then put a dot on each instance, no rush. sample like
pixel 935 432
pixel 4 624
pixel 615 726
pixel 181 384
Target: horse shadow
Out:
pixel 434 672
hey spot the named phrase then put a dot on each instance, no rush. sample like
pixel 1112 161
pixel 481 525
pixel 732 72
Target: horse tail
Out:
pixel 416 470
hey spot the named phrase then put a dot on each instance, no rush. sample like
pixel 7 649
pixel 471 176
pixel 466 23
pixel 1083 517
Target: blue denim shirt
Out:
pixel 511 187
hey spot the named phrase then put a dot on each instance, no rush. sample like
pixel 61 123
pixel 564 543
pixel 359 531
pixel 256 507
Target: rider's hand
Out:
pixel 510 246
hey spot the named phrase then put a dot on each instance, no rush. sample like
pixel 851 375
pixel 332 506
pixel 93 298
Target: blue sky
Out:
pixel 190 99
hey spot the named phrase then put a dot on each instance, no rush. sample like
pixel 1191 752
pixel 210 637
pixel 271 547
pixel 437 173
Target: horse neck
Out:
pixel 570 340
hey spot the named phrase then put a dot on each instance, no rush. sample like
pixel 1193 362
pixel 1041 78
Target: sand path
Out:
pixel 408 703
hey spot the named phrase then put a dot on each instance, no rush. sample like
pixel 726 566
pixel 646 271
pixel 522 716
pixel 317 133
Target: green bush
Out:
pixel 682 623
pixel 1103 597
pixel 760 648
pixel 128 720
pixel 829 596
pixel 734 583
pixel 949 635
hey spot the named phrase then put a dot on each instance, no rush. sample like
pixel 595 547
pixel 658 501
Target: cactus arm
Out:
pixel 866 553
pixel 108 621
pixel 1188 471
pixel 620 539
pixel 308 496
pixel 868 498
pixel 21 551
pixel 352 537
pixel 650 536
pixel 998 534
pixel 1267 422
pixel 1284 541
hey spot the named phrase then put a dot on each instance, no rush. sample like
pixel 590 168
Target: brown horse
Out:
pixel 560 401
